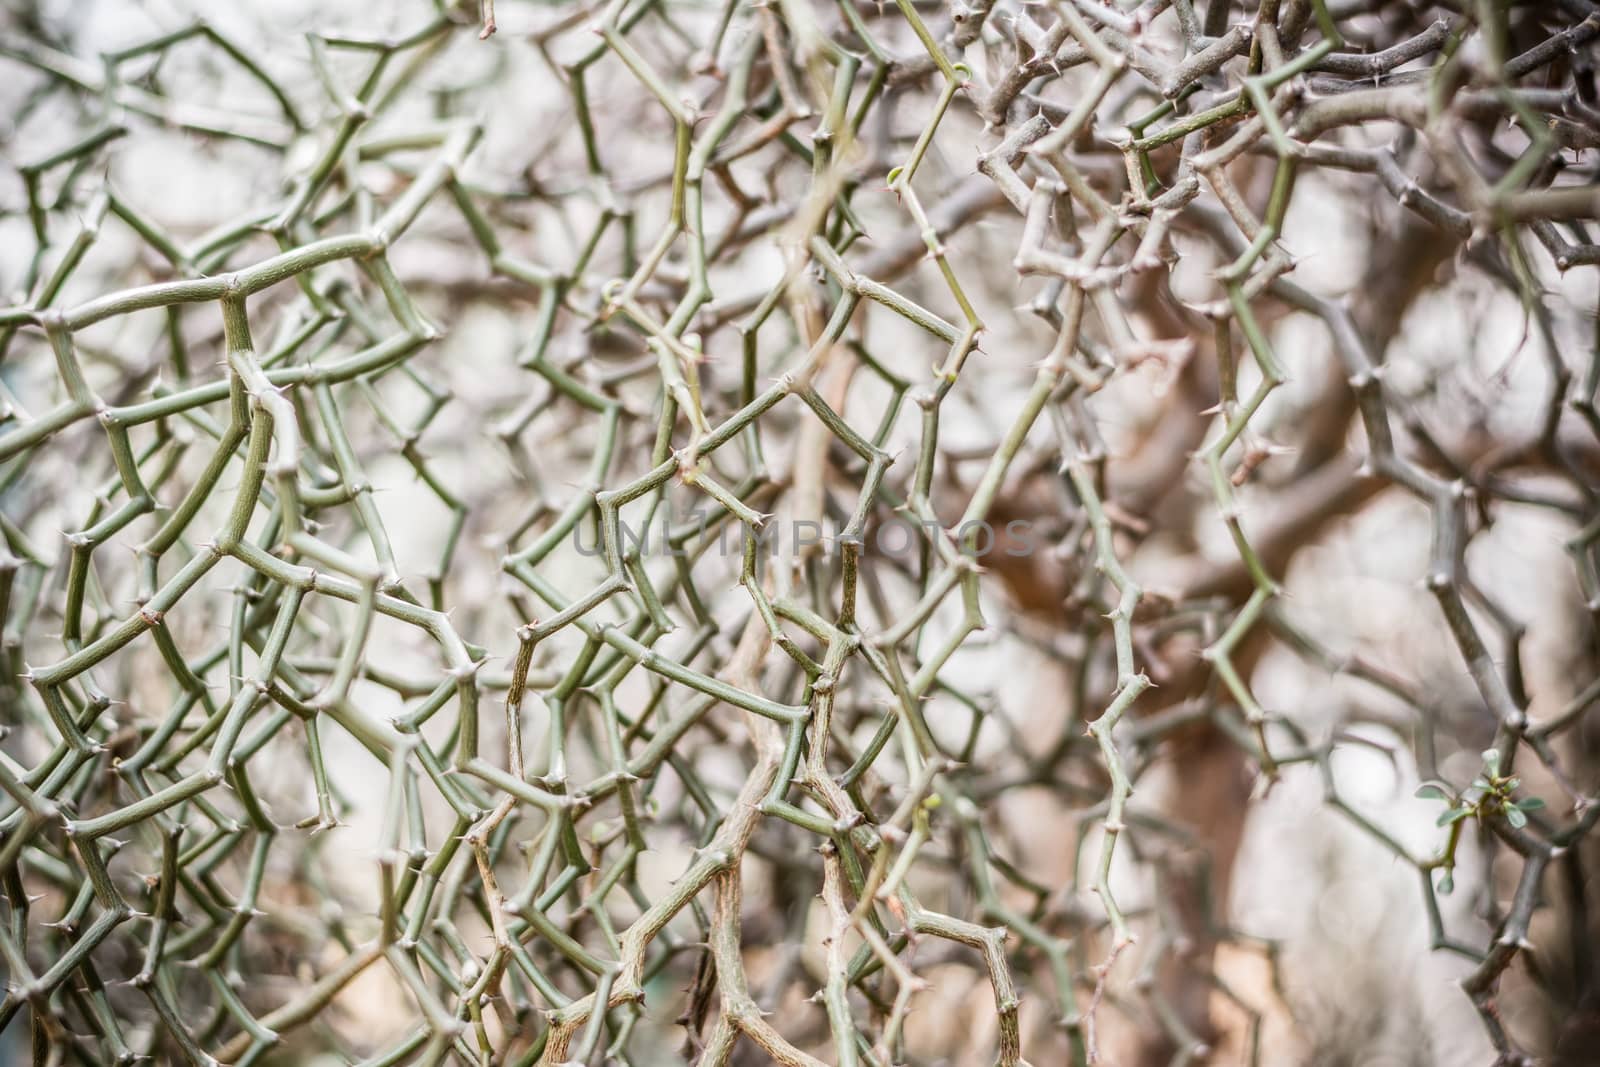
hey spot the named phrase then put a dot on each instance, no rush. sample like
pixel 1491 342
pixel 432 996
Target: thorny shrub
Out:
pixel 325 355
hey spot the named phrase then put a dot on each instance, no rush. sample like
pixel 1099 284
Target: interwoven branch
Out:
pixel 755 275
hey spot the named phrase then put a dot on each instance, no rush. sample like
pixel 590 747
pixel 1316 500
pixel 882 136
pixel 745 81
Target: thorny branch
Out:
pixel 713 327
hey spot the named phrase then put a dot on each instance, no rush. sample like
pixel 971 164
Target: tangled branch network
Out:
pixel 325 355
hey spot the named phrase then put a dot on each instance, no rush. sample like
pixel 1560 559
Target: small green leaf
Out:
pixel 1491 760
pixel 1530 803
pixel 1515 817
pixel 1431 791
pixel 1447 884
pixel 1452 815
